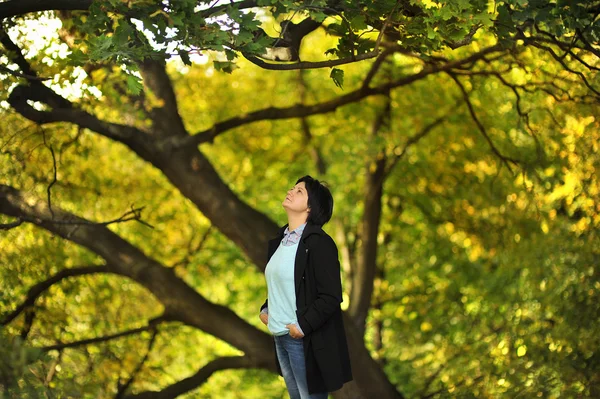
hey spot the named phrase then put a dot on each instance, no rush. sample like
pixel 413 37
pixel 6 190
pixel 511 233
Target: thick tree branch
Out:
pixel 195 381
pixel 151 326
pixel 38 289
pixel 181 302
pixel 298 111
pixel 366 266
pixel 13 8
pixel 167 117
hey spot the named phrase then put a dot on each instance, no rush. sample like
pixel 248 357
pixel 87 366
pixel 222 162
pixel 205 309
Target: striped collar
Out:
pixel 292 237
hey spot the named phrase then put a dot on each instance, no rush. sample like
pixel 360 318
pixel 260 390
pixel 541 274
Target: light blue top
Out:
pixel 281 290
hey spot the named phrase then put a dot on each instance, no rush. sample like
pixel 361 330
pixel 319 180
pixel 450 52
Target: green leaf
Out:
pixel 358 23
pixel 338 77
pixel 225 66
pixel 185 57
pixel 134 84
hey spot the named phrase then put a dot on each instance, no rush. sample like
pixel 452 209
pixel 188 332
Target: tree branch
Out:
pixel 11 225
pixel 10 46
pixel 167 117
pixel 308 64
pixel 298 111
pixel 193 382
pixel 13 8
pixel 480 126
pixel 38 289
pixel 63 110
pixel 123 388
pixel 151 325
pixel 314 150
pixel 412 140
pixel 180 301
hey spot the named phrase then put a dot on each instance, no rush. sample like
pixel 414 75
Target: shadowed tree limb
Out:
pixel 38 289
pixel 12 8
pixel 196 380
pixel 18 57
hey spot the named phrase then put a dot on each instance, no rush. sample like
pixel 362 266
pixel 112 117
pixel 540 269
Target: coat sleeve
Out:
pixel 326 267
pixel 265 307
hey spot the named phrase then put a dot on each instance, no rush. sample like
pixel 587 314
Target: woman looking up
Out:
pixel 304 294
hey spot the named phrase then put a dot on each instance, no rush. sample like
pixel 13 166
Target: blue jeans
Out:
pixel 290 353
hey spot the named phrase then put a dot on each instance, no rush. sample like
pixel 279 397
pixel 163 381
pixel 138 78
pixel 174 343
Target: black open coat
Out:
pixel 318 298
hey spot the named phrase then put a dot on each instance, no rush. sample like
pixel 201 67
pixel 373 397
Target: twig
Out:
pixel 123 388
pixel 38 289
pixel 480 126
pixel 54 174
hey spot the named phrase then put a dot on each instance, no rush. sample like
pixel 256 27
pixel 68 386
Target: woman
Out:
pixel 304 294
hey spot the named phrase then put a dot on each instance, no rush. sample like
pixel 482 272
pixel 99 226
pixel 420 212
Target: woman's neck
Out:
pixel 294 223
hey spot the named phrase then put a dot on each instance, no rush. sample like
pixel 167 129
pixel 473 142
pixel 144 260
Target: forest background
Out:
pixel 145 149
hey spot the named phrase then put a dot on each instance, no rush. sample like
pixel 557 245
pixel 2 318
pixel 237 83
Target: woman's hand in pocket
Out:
pixel 264 317
pixel 294 331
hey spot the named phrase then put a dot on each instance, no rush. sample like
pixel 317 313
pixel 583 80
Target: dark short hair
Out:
pixel 320 201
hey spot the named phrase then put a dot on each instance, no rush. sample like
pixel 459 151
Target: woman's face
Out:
pixel 296 199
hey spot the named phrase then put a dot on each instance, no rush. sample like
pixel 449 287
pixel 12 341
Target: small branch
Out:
pixel 12 225
pixel 22 75
pixel 316 155
pixel 413 140
pixel 54 177
pixel 310 65
pixel 133 214
pixel 38 289
pixel 532 42
pixel 377 65
pixel 151 325
pixel 123 388
pixel 385 25
pixel 480 126
pixel 185 259
pixel 241 5
pixel 29 318
pixel 467 39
